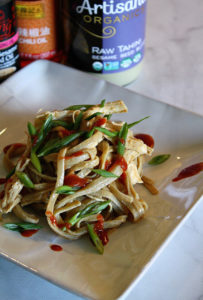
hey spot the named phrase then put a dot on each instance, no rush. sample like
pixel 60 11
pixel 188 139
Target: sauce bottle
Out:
pixel 9 57
pixel 38 30
pixel 107 37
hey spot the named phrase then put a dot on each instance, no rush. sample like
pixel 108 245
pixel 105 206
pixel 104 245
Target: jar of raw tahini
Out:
pixel 106 37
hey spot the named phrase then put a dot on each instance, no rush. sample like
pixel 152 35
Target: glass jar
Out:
pixel 9 57
pixel 38 27
pixel 107 37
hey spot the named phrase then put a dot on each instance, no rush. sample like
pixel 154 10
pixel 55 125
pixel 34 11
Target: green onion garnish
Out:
pixel 11 173
pixel 108 116
pixel 91 209
pixel 136 122
pixel 122 139
pixel 106 131
pixel 77 107
pixel 104 173
pixel 31 129
pixel 66 189
pixel 24 179
pixel 57 144
pixel 90 133
pixel 102 103
pixel 35 161
pixel 93 116
pixel 43 132
pixel 159 159
pixel 95 239
pixel 78 120
pixel 68 126
pixel 21 226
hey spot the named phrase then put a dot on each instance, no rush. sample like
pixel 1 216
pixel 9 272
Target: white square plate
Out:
pixel 44 85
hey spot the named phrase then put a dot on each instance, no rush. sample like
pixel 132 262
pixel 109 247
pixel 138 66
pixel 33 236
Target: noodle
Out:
pixel 81 166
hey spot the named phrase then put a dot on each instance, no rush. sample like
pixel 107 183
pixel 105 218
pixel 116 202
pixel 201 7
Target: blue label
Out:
pixel 108 36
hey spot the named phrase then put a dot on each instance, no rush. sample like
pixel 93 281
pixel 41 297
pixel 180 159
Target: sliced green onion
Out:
pixel 104 173
pixel 136 122
pixel 57 144
pixel 31 129
pixel 93 116
pixel 122 139
pixel 77 107
pixel 21 226
pixel 78 120
pixel 106 131
pixel 102 103
pixel 35 161
pixel 89 210
pixel 11 173
pixel 159 159
pixel 66 189
pixel 124 131
pixel 108 116
pixel 24 179
pixel 46 126
pixel 94 208
pixel 90 133
pixel 43 132
pixel 64 124
pixel 95 239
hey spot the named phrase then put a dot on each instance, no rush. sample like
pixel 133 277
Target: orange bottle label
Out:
pixel 37 29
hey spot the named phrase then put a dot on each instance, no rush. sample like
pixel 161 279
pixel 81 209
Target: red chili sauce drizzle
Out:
pixel 76 154
pixel 122 141
pixel 16 146
pixel 62 225
pixel 74 180
pixel 2 193
pixel 189 171
pixel 123 177
pixel 107 164
pixel 55 247
pixel 28 233
pixel 100 122
pixel 66 132
pixel 34 140
pixel 3 180
pixel 100 231
pixel 120 161
pixel 146 138
pixel 54 221
pixel 52 218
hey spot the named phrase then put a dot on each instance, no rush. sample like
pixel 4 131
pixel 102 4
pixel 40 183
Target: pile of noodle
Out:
pixel 92 153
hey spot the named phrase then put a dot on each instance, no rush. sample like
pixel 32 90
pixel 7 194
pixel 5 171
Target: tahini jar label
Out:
pixel 108 36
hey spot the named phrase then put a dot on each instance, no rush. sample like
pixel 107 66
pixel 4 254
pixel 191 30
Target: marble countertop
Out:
pixel 172 73
pixel 173 65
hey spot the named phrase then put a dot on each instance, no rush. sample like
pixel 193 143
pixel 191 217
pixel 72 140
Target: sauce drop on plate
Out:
pixel 189 171
pixel 146 138
pixel 16 146
pixel 55 247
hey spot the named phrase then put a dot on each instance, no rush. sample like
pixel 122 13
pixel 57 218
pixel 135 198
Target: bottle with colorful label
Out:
pixel 9 57
pixel 107 37
pixel 38 30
